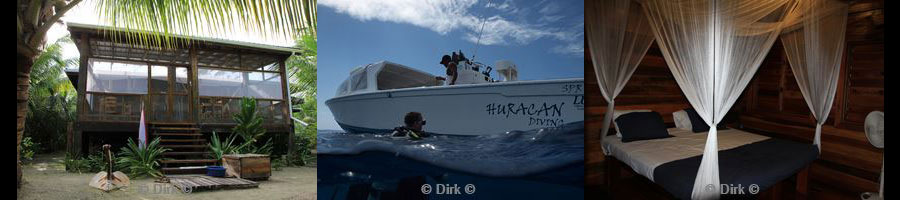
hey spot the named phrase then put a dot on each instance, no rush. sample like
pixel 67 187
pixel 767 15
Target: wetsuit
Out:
pixel 406 132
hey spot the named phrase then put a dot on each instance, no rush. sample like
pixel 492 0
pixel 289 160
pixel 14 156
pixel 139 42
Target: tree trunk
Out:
pixel 23 71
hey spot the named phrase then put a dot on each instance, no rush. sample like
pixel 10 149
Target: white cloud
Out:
pixel 550 8
pixel 498 30
pixel 575 49
pixel 439 16
pixel 503 6
pixel 506 6
pixel 575 44
pixel 550 18
pixel 444 17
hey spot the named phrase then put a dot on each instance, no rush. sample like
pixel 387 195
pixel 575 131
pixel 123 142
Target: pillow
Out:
pixel 682 121
pixel 637 126
pixel 697 123
pixel 617 113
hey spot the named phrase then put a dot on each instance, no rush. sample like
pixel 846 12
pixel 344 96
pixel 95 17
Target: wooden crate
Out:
pixel 247 166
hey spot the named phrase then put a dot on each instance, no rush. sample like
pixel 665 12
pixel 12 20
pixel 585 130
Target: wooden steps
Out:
pixel 189 148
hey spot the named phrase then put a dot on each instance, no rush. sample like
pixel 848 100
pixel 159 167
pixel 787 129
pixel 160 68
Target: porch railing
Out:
pixel 222 109
pixel 123 107
pixel 99 106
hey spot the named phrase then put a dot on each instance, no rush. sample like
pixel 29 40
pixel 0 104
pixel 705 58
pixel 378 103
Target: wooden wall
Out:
pixel 773 105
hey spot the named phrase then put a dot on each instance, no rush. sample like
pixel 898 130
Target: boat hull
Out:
pixel 474 109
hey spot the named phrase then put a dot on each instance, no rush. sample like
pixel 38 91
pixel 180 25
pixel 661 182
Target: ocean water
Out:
pixel 533 164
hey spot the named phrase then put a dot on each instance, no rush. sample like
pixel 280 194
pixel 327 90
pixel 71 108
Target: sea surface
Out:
pixel 543 163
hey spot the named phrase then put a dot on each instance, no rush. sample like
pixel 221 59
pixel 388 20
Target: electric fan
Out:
pixel 875 133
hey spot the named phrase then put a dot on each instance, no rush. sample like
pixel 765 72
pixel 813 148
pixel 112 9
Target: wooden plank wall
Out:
pixel 774 104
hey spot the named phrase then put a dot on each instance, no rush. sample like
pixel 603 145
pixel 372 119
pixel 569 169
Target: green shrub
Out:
pixel 249 123
pixel 94 162
pixel 98 162
pixel 302 154
pixel 249 128
pixel 222 147
pixel 28 148
pixel 280 162
pixel 75 164
pixel 140 162
pixel 305 143
pixel 302 87
pixel 266 148
pixel 52 98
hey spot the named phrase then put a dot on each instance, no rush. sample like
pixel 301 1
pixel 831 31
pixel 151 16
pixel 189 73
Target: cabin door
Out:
pixel 170 94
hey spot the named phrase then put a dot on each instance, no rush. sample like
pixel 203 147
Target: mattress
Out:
pixel 745 159
pixel 745 170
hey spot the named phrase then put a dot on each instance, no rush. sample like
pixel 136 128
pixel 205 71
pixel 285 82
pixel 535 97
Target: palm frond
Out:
pixel 249 122
pixel 156 21
pixel 222 147
pixel 140 162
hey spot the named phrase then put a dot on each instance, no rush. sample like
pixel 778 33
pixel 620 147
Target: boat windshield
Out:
pixel 395 76
pixel 342 89
pixel 356 82
pixel 387 76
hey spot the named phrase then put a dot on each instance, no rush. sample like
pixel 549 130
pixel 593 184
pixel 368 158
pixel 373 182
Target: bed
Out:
pixel 744 159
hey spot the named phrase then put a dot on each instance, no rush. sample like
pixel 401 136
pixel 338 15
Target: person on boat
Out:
pixel 412 128
pixel 451 68
pixel 462 57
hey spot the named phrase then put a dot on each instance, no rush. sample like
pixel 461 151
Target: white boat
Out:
pixel 375 98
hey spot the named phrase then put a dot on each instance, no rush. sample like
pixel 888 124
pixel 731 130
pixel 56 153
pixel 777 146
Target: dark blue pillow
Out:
pixel 697 123
pixel 641 126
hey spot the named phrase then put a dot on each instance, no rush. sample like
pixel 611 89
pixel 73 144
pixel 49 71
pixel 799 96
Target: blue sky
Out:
pixel 544 38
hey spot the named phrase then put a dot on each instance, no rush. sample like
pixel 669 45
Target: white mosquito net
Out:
pixel 619 36
pixel 713 49
pixel 814 51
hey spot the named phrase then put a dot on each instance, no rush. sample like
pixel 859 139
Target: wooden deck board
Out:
pixel 201 183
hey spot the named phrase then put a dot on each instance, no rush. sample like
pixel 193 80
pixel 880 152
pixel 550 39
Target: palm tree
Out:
pixel 159 19
pixel 301 71
pixel 51 96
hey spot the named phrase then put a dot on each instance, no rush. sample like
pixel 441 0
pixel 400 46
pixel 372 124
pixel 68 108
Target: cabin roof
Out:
pixel 107 42
pixel 97 28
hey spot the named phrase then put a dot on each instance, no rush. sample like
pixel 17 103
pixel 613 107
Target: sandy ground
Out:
pixel 46 178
